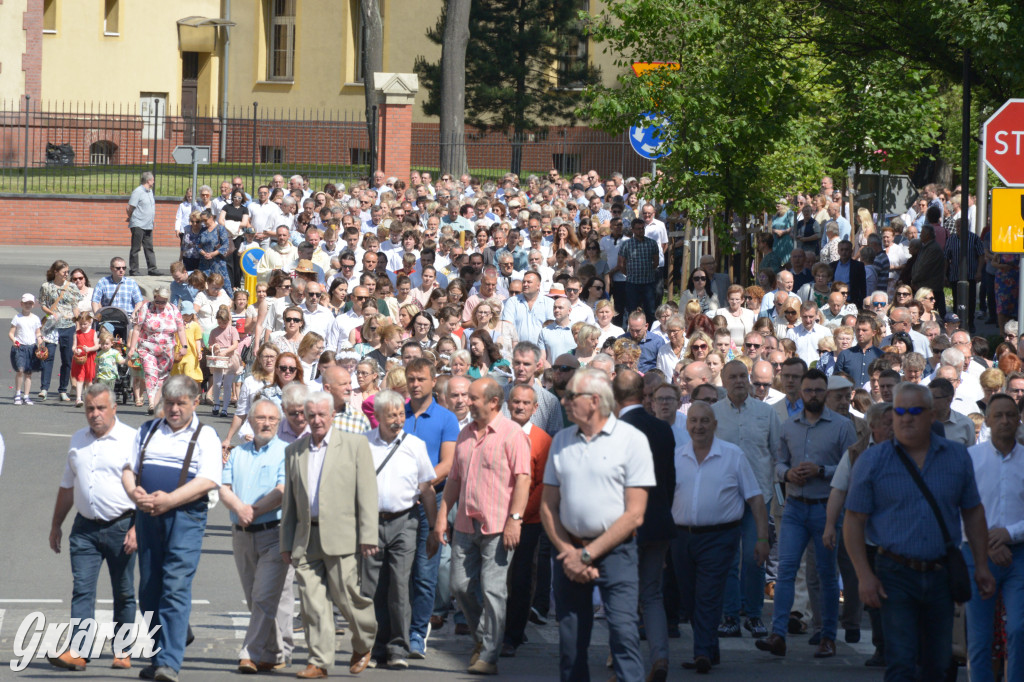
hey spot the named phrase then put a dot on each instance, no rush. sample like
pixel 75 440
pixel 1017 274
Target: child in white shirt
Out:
pixel 25 334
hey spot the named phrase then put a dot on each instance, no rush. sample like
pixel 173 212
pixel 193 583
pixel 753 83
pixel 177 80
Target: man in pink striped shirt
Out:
pixel 490 480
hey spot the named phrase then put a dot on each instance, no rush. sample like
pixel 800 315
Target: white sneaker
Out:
pixel 42 395
pixel 17 400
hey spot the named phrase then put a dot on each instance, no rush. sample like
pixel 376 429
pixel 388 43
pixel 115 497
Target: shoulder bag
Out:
pixel 959 576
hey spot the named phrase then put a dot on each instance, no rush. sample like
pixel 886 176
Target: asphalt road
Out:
pixel 34 579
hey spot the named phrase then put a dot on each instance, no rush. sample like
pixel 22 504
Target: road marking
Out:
pixel 194 601
pixel 31 601
pixel 51 435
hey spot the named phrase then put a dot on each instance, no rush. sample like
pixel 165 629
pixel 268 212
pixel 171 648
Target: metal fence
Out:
pixel 100 149
pixel 67 148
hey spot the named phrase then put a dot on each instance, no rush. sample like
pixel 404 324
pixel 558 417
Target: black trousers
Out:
pixel 972 297
pixel 141 239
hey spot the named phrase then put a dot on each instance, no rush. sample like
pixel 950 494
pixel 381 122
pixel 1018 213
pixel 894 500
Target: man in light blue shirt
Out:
pixel 252 489
pixel 556 339
pixel 835 213
pixel 529 310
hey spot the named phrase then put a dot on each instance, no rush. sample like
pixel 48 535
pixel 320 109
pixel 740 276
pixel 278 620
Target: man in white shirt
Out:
pixel 345 322
pixel 581 312
pixel 807 334
pixel 318 317
pixel 263 213
pixel 404 473
pixel 104 528
pixel 714 487
pixel 999 474
pixel 835 310
pixel 282 256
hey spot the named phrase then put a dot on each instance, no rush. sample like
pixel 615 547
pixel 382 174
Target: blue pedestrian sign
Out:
pixel 249 260
pixel 649 140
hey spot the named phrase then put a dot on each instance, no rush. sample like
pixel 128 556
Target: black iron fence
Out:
pixel 98 149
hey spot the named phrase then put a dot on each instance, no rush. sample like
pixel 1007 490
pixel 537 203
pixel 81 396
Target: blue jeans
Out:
pixel 424 578
pixel 744 586
pixel 169 550
pixel 91 543
pixel 651 564
pixel 702 562
pixel 574 610
pixel 981 615
pixel 803 523
pixel 917 617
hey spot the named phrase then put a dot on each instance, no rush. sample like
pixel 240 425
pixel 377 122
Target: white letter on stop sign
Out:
pixel 1005 148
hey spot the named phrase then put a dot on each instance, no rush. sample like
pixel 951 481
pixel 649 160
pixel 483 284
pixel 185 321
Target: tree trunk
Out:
pixel 453 88
pixel 373 61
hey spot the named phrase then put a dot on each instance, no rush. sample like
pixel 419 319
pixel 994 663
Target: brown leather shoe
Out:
pixel 436 622
pixel 312 672
pixel 827 648
pixel 67 661
pixel 122 663
pixel 358 662
pixel 773 644
pixel 247 667
pixel 267 666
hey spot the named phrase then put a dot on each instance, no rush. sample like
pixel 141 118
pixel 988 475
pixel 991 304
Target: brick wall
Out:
pixel 32 58
pixel 396 140
pixel 78 221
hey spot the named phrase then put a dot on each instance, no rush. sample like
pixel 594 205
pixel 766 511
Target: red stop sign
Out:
pixel 1004 142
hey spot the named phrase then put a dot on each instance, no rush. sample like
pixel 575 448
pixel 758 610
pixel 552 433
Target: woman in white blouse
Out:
pixel 740 320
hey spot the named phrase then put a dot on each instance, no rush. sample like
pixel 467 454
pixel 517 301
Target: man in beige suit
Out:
pixel 320 534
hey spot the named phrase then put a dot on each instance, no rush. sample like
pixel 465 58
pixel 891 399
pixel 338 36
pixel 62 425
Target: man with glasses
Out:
pixel 117 290
pixel 811 445
pixel 141 212
pixel 761 378
pixel 346 321
pixel 581 312
pixel 753 342
pixel 961 340
pixel 957 427
pixel 590 511
pixel 909 580
pixel 755 427
pixel 506 273
pixel 319 318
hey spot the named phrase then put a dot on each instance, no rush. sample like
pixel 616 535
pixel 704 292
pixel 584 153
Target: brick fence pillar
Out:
pixel 397 92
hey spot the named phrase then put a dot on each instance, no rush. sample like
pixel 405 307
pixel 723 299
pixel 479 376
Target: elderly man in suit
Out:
pixel 851 272
pixel 320 534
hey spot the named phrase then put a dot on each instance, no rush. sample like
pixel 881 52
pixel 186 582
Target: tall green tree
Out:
pixel 524 66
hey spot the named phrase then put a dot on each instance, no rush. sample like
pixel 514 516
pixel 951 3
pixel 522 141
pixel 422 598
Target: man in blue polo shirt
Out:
pixel 439 429
pixel 909 581
pixel 649 343
pixel 855 361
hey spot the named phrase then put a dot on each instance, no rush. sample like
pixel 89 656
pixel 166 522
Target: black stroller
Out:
pixel 117 323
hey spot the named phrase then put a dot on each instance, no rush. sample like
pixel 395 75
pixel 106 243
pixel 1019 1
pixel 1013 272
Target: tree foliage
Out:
pixel 520 74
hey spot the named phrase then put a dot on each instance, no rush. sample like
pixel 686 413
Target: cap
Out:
pixel 557 290
pixel 28 298
pixel 836 383
pixel 187 308
pixel 951 317
pixel 305 266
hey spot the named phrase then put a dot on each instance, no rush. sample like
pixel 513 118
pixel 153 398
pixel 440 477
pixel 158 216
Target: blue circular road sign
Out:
pixel 249 260
pixel 649 140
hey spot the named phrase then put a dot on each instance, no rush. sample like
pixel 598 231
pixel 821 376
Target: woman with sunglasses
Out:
pixel 157 325
pixel 926 297
pixel 287 368
pixel 698 346
pixel 288 340
pixel 366 337
pixel 672 353
pixel 697 290
pixel 789 319
pixel 59 297
pixel 594 291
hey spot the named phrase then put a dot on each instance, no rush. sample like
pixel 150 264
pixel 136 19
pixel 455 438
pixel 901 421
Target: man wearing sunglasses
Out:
pixel 116 290
pixel 909 580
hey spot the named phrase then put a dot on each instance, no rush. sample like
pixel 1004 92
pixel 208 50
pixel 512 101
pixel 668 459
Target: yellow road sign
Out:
pixel 1008 220
pixel 639 68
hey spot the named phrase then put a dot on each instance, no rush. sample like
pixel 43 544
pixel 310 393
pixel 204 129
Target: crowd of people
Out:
pixel 468 401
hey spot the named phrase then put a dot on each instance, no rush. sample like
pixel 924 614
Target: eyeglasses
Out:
pixel 284 286
pixel 287 368
pixel 903 293
pixel 564 368
pixel 296 320
pixel 761 384
pixel 266 420
pixel 912 411
pixel 699 346
pixel 294 413
pixel 572 395
pixel 313 295
pixel 118 267
pixel 573 290
pixel 747 298
pixel 78 279
pixel 752 345
pixel 699 278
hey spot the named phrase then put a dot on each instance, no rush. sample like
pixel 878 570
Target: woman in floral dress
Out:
pixel 153 337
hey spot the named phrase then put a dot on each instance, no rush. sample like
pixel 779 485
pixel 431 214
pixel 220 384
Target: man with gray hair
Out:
pixel 321 534
pixel 252 488
pixel 176 462
pixel 594 499
pixel 404 474
pixel 141 213
pixel 899 321
pixel 526 358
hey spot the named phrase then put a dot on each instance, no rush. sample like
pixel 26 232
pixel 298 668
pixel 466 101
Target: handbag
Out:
pixel 959 576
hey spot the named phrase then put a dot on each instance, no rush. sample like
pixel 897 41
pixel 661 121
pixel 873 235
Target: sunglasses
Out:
pixel 572 395
pixel 699 346
pixel 287 368
pixel 78 279
pixel 752 345
pixel 912 411
pixel 700 278
pixel 314 295
pixel 877 304
pixel 564 368
pixel 296 320
pixel 118 267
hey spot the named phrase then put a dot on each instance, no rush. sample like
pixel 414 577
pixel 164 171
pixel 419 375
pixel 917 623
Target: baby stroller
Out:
pixel 116 321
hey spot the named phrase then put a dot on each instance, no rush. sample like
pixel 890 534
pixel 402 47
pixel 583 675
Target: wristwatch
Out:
pixel 821 471
pixel 516 517
pixel 586 558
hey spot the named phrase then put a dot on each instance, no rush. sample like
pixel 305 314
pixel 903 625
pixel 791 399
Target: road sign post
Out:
pixel 195 155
